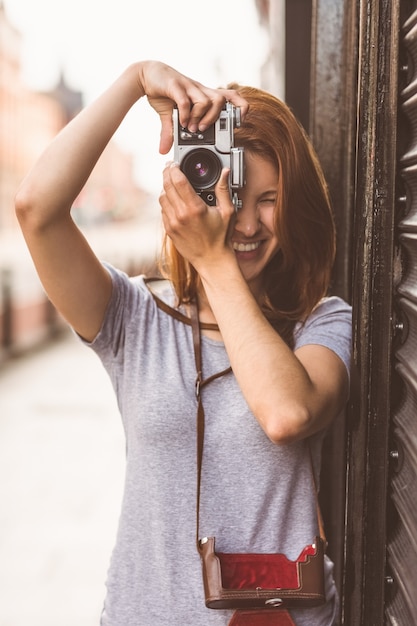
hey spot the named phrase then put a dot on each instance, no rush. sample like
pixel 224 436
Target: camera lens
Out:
pixel 202 168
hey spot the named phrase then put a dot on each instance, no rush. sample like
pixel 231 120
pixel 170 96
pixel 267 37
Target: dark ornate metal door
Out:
pixel 364 125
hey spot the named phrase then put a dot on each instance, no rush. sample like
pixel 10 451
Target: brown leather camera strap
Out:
pixel 161 304
pixel 199 384
pixel 263 617
pixel 196 325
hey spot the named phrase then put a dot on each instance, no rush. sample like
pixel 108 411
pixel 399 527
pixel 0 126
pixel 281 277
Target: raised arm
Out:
pixel 72 276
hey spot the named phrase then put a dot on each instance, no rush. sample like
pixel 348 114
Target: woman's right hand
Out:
pixel 198 106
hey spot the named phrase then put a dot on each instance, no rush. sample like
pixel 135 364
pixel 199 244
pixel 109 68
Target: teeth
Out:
pixel 246 247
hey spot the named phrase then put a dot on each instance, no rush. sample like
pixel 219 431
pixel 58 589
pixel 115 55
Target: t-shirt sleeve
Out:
pixel 329 325
pixel 130 298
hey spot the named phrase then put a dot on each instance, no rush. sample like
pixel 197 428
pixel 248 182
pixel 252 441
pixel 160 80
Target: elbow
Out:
pixel 286 426
pixel 20 204
pixel 32 210
pixel 24 204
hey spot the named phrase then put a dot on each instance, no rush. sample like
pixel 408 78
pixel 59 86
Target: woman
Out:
pixel 259 278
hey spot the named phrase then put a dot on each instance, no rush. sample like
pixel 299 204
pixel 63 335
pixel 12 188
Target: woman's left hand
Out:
pixel 199 232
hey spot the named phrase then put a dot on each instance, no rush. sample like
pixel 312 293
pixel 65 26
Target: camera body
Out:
pixel 202 155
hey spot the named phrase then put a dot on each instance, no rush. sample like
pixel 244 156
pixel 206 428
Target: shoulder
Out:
pixel 162 290
pixel 133 309
pixel 332 307
pixel 143 298
pixel 330 310
pixel 139 288
pixel 328 325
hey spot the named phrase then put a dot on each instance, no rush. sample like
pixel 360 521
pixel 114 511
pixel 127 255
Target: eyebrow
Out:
pixel 269 192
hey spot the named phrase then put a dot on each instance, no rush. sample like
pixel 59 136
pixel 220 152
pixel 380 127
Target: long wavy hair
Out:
pixel 298 276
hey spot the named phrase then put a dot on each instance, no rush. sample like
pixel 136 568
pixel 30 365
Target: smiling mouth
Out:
pixel 246 247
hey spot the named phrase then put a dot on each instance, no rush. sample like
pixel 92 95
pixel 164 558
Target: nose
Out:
pixel 247 220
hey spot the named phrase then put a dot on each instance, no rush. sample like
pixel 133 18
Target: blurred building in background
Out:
pixel 28 122
pixel 108 204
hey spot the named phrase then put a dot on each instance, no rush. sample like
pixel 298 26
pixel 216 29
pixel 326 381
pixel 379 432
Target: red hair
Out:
pixel 299 274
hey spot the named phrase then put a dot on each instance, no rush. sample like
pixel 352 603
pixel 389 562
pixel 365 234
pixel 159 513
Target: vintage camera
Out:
pixel 202 155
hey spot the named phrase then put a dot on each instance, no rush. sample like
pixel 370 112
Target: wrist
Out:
pixel 134 74
pixel 219 269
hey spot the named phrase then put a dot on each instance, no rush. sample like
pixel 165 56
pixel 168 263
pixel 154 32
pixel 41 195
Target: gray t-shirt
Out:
pixel 255 496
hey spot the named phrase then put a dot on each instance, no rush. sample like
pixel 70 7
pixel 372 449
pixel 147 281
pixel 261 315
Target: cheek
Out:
pixel 267 219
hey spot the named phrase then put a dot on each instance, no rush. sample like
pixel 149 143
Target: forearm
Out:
pixel 56 179
pixel 275 384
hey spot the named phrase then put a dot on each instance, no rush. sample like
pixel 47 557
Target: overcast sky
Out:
pixel 92 41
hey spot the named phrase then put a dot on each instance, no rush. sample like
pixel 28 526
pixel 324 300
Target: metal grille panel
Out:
pixel 402 545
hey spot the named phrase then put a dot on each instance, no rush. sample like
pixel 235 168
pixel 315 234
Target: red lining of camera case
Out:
pixel 265 571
